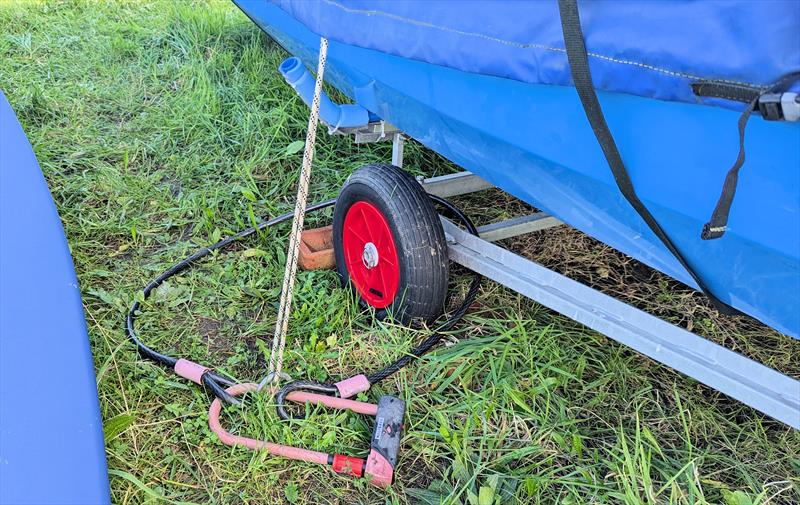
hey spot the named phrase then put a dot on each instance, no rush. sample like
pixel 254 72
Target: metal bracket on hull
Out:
pixel 398 142
pixel 460 183
pixel 746 380
pixel 376 131
pixel 517 226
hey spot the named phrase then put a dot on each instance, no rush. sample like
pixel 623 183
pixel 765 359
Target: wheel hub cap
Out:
pixel 370 255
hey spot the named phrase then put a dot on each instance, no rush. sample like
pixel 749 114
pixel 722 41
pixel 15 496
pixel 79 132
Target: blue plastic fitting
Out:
pixel 333 114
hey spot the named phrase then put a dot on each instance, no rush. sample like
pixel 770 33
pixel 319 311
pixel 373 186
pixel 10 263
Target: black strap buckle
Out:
pixel 779 106
pixel 769 105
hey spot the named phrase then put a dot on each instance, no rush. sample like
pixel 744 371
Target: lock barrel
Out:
pixel 385 443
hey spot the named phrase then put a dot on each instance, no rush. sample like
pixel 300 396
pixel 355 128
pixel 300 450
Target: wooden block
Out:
pixel 316 249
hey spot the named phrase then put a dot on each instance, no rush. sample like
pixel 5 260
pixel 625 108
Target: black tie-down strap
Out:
pixel 579 68
pixel 718 224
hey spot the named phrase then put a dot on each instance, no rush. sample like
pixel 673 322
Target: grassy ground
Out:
pixel 162 126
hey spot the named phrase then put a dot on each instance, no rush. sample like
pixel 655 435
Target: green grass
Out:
pixel 162 126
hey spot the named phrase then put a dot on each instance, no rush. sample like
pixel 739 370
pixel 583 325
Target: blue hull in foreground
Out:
pixel 534 142
pixel 51 434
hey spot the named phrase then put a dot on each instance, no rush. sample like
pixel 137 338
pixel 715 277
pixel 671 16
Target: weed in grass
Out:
pixel 162 126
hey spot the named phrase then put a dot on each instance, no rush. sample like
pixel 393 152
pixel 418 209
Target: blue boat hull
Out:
pixel 51 433
pixel 534 142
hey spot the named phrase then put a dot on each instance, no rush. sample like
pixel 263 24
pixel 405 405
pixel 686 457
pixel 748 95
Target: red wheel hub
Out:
pixel 370 254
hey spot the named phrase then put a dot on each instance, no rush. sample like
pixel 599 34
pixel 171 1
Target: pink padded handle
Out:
pixel 333 402
pixel 190 370
pixel 352 386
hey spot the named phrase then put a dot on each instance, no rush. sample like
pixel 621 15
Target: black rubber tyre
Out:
pixel 418 239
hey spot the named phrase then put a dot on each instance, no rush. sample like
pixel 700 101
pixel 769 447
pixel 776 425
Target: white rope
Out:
pixel 284 310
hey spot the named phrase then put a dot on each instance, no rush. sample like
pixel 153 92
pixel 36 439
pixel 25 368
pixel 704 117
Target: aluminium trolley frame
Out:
pixel 726 371
pixel 748 381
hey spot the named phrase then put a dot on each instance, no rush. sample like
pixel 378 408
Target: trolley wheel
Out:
pixel 389 244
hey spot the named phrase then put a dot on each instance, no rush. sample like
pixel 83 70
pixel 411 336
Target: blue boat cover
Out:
pixel 533 141
pixel 654 49
pixel 51 436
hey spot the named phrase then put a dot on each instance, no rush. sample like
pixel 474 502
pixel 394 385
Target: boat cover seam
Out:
pixel 533 45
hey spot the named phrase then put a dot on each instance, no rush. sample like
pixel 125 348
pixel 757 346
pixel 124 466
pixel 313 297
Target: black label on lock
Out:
pixel 388 427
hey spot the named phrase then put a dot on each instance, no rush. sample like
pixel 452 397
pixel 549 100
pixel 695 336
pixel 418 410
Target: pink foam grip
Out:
pixel 333 402
pixel 283 451
pixel 190 370
pixel 352 386
pixel 378 471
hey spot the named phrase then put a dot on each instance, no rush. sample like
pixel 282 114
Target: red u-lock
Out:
pixel 384 445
